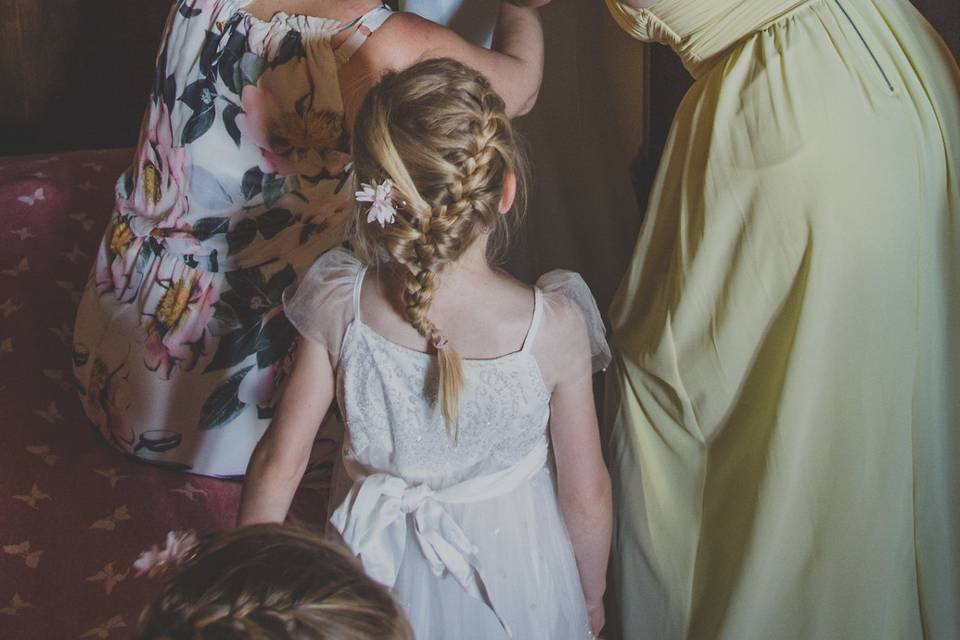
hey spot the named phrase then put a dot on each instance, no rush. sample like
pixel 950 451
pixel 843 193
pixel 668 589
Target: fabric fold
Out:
pixel 373 521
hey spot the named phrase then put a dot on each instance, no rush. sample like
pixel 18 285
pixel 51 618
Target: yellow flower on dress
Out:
pixel 151 183
pixel 314 131
pixel 120 238
pixel 173 304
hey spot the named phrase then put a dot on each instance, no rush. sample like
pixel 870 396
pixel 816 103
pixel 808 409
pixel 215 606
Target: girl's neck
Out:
pixel 470 271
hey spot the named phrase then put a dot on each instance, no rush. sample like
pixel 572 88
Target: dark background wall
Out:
pixel 75 73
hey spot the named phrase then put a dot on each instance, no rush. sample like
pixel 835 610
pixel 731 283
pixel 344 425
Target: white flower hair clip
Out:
pixel 380 197
pixel 156 561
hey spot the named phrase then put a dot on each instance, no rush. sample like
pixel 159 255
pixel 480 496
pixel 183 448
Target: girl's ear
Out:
pixel 509 192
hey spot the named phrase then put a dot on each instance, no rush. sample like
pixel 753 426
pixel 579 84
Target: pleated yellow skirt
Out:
pixel 786 454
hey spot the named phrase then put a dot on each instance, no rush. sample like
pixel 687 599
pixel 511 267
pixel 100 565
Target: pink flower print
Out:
pixel 116 265
pixel 293 139
pixel 160 178
pixel 182 306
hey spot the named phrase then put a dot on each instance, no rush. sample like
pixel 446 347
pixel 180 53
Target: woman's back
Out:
pixel 240 180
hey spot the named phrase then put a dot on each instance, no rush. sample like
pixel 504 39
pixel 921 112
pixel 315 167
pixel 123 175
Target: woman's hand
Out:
pixel 514 66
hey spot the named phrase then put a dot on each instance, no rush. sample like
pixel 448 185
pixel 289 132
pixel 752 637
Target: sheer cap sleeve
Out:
pixel 320 305
pixel 570 342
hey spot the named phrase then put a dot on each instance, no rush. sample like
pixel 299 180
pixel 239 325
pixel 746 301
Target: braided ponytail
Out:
pixel 271 581
pixel 440 133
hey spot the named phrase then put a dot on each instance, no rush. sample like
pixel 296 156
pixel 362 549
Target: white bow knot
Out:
pixel 413 497
pixel 374 520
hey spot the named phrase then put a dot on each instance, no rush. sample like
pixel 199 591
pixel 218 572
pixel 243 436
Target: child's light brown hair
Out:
pixel 271 582
pixel 441 134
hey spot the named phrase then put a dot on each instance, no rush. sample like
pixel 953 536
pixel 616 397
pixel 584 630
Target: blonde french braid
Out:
pixel 271 582
pixel 440 133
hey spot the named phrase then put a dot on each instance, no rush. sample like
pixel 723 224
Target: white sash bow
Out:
pixel 373 521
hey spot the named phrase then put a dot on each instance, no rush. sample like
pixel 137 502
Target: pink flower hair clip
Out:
pixel 380 197
pixel 156 561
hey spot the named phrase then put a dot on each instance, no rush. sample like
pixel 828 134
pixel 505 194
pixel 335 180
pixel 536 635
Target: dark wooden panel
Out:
pixel 75 72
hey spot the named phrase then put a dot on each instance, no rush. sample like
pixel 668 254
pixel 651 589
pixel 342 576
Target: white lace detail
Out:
pixel 386 392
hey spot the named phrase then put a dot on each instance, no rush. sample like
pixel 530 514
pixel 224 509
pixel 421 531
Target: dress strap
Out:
pixel 364 27
pixel 357 286
pixel 535 321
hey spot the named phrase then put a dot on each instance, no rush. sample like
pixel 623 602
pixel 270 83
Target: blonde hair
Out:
pixel 440 133
pixel 271 582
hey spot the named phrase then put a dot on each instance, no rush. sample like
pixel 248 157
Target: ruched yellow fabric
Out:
pixel 785 452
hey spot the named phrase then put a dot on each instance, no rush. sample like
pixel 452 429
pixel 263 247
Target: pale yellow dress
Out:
pixel 786 454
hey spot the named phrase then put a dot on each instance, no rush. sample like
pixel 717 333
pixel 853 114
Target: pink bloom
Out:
pixel 292 142
pixel 380 197
pixel 156 561
pixel 178 310
pixel 160 177
pixel 116 264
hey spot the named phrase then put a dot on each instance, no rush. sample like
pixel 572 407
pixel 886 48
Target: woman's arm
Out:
pixel 514 66
pixel 281 456
pixel 583 487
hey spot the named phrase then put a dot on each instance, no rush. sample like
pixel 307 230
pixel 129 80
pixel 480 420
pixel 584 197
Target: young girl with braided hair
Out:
pixel 270 582
pixel 477 490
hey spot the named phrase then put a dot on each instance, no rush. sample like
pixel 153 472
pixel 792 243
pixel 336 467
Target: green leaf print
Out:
pixel 223 405
pixel 241 236
pixel 234 347
pixel 205 228
pixel 272 188
pixel 199 96
pixel 198 124
pixel 273 222
pixel 189 12
pixel 170 92
pixel 208 53
pixel 230 122
pixel 252 67
pixel 280 281
pixel 225 319
pixel 252 293
pixel 228 64
pixel 275 341
pixel 290 47
pixel 252 183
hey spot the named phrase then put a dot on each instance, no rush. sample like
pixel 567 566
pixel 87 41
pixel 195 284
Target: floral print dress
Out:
pixel 240 181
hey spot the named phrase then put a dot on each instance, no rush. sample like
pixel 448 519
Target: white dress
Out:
pixel 469 535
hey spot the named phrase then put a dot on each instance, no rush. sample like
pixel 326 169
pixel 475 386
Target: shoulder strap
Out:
pixel 535 321
pixel 357 286
pixel 365 25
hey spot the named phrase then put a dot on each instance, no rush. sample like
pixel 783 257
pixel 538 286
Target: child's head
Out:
pixel 440 134
pixel 271 582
